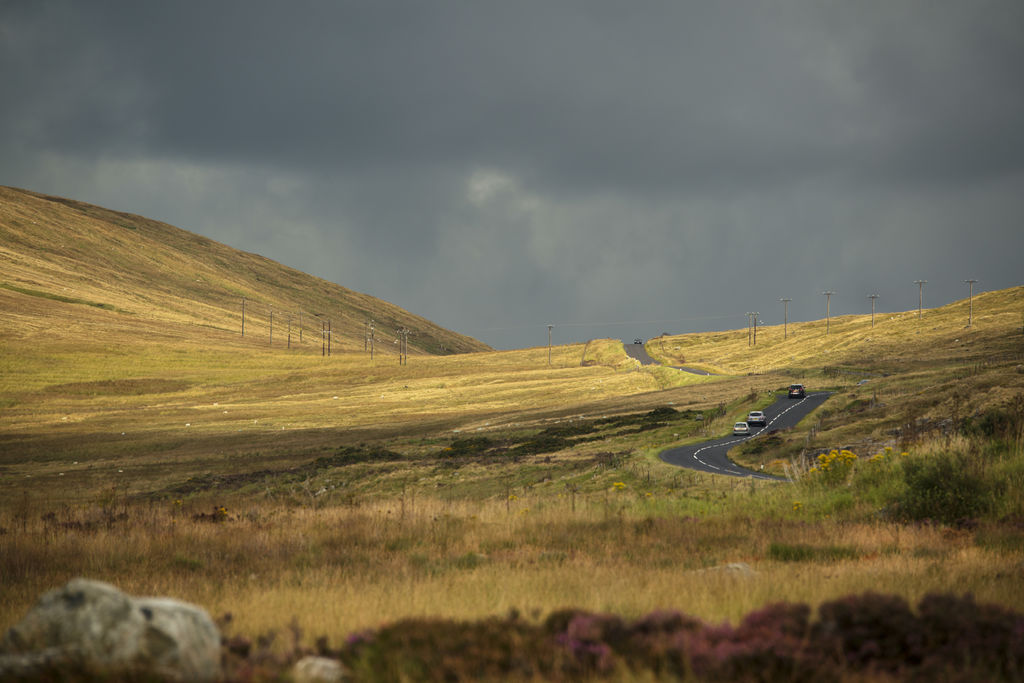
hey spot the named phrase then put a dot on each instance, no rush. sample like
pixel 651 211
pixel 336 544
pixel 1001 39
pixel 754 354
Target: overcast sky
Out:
pixel 617 169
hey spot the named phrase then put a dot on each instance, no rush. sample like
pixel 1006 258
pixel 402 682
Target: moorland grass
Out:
pixel 341 569
pixel 154 447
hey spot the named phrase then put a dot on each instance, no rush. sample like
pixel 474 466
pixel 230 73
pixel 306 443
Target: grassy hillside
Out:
pixel 152 276
pixel 904 377
pixel 144 442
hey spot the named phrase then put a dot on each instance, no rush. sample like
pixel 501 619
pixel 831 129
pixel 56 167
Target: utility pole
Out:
pixel 785 318
pixel 328 337
pixel 403 346
pixel 920 295
pixel 366 334
pixel 371 339
pixel 872 297
pixel 243 316
pixel 271 306
pixel 550 327
pixel 828 308
pixel 970 310
pixel 289 330
pixel 323 338
pixel 750 325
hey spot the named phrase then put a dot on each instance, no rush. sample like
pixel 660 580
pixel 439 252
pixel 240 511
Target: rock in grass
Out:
pixel 91 626
pixel 737 569
pixel 318 670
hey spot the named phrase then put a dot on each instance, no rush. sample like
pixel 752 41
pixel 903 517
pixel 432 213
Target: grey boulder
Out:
pixel 93 626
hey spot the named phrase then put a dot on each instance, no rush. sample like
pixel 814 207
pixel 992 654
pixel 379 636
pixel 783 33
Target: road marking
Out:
pixel 737 470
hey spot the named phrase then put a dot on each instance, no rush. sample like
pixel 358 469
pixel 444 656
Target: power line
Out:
pixel 526 326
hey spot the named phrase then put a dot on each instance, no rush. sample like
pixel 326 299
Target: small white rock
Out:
pixel 318 670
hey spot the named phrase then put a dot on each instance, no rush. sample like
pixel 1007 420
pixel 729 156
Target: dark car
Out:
pixel 638 340
pixel 797 391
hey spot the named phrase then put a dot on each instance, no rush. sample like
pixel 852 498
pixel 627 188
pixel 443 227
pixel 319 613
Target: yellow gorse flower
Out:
pixel 834 466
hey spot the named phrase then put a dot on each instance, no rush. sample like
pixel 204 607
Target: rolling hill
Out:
pixel 147 277
pixel 350 491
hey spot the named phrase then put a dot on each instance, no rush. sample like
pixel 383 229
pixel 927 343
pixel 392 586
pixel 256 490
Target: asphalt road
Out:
pixel 710 456
pixel 638 352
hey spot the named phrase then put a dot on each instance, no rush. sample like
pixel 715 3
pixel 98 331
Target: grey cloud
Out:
pixel 663 161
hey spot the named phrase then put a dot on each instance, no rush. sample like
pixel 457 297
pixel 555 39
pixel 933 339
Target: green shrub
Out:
pixel 944 488
pixel 1003 422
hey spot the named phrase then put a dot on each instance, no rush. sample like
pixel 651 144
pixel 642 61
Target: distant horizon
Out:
pixel 497 168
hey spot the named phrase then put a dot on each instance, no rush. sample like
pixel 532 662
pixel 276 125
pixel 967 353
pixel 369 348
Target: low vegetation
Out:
pixel 426 520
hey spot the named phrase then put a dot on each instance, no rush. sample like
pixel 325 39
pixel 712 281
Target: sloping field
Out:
pixel 145 442
pixel 152 273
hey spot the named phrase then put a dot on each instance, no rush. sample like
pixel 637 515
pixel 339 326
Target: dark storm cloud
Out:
pixel 500 166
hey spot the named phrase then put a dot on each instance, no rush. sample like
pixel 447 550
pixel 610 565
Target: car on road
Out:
pixel 638 340
pixel 756 417
pixel 741 429
pixel 797 391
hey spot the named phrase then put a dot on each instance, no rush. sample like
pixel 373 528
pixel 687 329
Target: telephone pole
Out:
pixel 550 327
pixel 920 295
pixel 872 297
pixel 970 309
pixel 371 339
pixel 750 325
pixel 403 346
pixel 828 308
pixel 289 330
pixel 271 306
pixel 785 318
pixel 328 337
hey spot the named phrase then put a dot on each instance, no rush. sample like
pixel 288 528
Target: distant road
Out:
pixel 638 352
pixel 710 456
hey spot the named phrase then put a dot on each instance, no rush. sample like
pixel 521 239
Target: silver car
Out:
pixel 741 429
pixel 756 417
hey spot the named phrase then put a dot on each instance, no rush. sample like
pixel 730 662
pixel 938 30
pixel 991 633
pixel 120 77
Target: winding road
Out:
pixel 639 352
pixel 710 456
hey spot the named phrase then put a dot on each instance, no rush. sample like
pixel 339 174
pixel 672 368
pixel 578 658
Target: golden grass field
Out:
pixel 146 443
